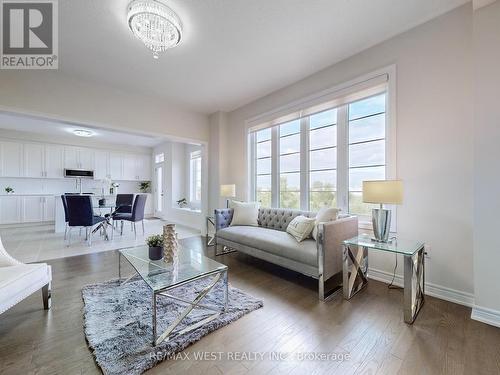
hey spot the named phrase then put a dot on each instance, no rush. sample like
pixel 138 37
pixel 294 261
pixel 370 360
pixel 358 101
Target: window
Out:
pixel 159 158
pixel 321 159
pixel 195 179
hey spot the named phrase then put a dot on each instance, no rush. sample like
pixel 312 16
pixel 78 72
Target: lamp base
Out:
pixel 381 221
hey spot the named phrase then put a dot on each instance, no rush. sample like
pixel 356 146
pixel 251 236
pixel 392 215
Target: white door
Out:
pixel 49 208
pixel 11 158
pixel 144 167
pixel 130 167
pixel 71 158
pixel 158 191
pixel 33 209
pixel 10 210
pixel 101 164
pixel 115 166
pixel 86 158
pixel 33 160
pixel 54 161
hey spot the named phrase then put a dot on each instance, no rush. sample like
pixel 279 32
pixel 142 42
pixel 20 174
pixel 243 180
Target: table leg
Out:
pixel 226 291
pixel 354 270
pixel 119 266
pixel 414 278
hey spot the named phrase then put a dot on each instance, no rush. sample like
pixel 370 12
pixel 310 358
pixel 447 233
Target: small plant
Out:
pixel 9 190
pixel 156 240
pixel 182 202
pixel 144 186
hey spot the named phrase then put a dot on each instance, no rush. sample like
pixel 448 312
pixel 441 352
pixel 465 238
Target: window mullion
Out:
pixel 275 172
pixel 304 163
pixel 342 159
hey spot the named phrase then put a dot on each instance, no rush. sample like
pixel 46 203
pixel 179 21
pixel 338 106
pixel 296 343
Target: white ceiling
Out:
pixel 57 129
pixel 234 51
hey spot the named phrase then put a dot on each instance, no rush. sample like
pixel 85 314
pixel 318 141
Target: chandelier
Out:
pixel 155 24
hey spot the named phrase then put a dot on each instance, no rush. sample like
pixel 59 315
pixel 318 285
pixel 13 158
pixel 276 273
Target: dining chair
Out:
pixel 135 216
pixel 65 206
pixel 81 214
pixel 123 205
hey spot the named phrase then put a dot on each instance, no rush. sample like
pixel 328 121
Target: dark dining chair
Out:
pixel 65 206
pixel 81 214
pixel 135 216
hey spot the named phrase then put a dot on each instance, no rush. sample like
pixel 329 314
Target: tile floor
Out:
pixel 34 243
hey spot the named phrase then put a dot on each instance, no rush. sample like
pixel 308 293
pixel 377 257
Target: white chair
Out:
pixel 19 280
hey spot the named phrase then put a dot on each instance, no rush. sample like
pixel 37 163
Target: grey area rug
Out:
pixel 118 323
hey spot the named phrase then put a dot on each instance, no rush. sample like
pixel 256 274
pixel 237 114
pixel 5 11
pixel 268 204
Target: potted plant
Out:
pixel 144 186
pixel 155 243
pixel 9 190
pixel 182 202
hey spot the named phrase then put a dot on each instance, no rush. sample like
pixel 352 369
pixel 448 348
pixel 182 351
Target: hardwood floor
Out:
pixel 370 328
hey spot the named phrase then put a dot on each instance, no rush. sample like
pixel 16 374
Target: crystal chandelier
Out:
pixel 155 24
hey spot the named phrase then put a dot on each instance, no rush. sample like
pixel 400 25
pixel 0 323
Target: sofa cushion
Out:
pixel 279 218
pixel 301 227
pixel 273 241
pixel 324 215
pixel 245 213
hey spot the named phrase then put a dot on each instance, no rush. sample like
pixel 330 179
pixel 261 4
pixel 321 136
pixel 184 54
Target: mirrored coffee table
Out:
pixel 355 269
pixel 162 277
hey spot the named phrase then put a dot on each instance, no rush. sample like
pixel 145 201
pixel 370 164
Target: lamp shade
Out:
pixel 384 191
pixel 228 190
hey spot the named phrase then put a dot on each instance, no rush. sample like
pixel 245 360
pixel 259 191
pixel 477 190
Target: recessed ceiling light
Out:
pixel 83 133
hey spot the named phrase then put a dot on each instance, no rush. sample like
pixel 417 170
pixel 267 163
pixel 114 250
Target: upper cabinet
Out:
pixel 11 159
pixel 78 158
pixel 45 160
pixel 54 164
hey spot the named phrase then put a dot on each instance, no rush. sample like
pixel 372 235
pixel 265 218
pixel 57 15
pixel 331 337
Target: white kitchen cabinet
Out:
pixel 148 209
pixel 101 161
pixel 32 209
pixel 130 164
pixel 10 209
pixel 54 161
pixel 115 166
pixel 78 158
pixel 49 208
pixel 11 159
pixel 34 165
pixel 143 166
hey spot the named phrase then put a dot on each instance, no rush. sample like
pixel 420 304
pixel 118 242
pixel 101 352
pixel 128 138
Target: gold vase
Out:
pixel 170 243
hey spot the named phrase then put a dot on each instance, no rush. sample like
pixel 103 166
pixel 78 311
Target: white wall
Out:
pixel 486 157
pixel 54 95
pixel 434 140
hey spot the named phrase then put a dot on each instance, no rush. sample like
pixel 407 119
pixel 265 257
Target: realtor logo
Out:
pixel 29 34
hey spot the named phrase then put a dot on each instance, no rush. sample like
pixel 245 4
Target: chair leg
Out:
pixel 135 230
pixel 90 236
pixel 65 230
pixel 46 296
pixel 112 228
pixel 143 227
pixel 132 226
pixel 121 229
pixel 80 233
pixel 69 237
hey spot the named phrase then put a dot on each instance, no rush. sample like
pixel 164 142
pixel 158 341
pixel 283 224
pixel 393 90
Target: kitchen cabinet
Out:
pixel 34 165
pixel 143 167
pixel 130 164
pixel 115 166
pixel 78 158
pixel 49 208
pixel 11 159
pixel 101 170
pixel 54 161
pixel 37 209
pixel 10 209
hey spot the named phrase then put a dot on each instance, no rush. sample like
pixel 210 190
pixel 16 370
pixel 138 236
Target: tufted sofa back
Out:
pixel 279 218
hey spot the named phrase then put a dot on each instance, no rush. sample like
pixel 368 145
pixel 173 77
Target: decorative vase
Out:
pixel 102 202
pixel 170 243
pixel 155 253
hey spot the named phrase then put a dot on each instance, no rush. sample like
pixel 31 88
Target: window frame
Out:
pixel 343 94
pixel 195 168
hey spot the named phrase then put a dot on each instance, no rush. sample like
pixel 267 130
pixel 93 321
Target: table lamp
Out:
pixel 228 191
pixel 382 192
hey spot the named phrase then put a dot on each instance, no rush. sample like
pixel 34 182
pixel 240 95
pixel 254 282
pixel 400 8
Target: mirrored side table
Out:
pixel 355 269
pixel 210 223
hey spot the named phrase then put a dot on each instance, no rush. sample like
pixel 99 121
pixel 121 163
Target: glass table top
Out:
pixel 108 205
pixel 398 246
pixel 160 275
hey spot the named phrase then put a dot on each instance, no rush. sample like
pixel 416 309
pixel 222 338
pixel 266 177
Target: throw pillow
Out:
pixel 245 213
pixel 300 227
pixel 324 214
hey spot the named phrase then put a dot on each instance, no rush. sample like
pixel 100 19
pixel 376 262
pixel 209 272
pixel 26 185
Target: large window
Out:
pixel 321 159
pixel 195 176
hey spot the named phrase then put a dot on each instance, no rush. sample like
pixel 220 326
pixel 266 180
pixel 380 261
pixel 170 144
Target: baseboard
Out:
pixel 485 315
pixel 438 291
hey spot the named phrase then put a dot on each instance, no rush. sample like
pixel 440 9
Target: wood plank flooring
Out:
pixel 370 328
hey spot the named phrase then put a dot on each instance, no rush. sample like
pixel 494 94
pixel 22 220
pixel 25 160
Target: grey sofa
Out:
pixel 321 259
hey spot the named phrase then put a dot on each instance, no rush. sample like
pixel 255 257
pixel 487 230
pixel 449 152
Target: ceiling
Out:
pixel 49 128
pixel 233 51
